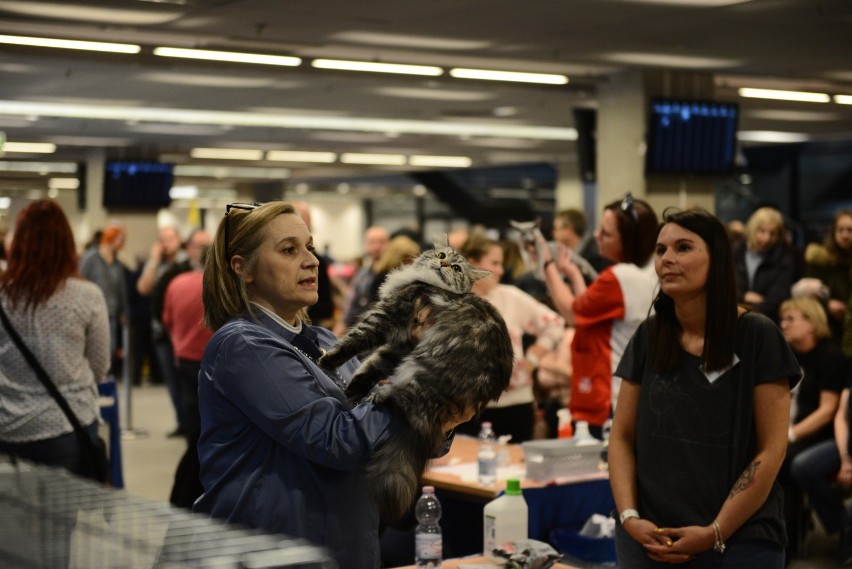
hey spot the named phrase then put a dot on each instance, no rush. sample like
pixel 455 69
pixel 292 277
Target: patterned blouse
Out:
pixel 69 336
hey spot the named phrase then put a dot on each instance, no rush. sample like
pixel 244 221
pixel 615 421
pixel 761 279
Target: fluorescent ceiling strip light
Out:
pixel 771 136
pixel 843 99
pixel 39 167
pixel 29 147
pixel 71 44
pixel 301 156
pixel 377 159
pixel 488 75
pixel 440 161
pixel 5 202
pixel 369 66
pixel 802 96
pixel 227 153
pixel 183 192
pixel 222 172
pixel 63 183
pixel 267 120
pixel 232 56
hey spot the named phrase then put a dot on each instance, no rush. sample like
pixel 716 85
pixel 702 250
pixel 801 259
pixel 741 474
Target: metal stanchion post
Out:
pixel 127 430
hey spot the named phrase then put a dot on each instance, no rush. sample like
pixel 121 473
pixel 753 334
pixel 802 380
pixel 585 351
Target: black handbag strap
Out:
pixel 44 378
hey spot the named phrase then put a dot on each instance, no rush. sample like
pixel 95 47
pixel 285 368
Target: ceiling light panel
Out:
pixel 43 168
pixel 229 56
pixel 418 42
pixel 70 44
pixel 89 14
pixel 514 76
pixel 434 94
pixel 771 136
pixel 28 147
pixel 301 156
pixel 232 118
pixel 802 96
pixel 372 67
pixel 226 153
pixel 222 172
pixel 375 159
pixel 843 99
pixel 440 161
pixel 668 60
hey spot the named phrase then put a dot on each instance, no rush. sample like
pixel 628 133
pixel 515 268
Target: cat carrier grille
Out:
pixel 49 519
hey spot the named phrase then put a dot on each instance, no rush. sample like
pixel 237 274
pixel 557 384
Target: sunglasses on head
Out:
pixel 627 207
pixel 228 208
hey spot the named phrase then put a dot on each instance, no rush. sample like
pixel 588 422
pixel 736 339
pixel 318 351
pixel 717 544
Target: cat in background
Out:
pixel 528 233
pixel 445 349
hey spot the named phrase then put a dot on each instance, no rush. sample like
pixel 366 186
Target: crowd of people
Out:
pixel 721 363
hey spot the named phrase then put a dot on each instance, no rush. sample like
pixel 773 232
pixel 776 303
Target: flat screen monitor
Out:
pixel 691 137
pixel 137 185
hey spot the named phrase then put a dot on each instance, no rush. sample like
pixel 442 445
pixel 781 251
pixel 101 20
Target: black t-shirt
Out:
pixel 694 437
pixel 824 369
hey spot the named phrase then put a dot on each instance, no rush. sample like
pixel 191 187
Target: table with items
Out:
pixel 558 506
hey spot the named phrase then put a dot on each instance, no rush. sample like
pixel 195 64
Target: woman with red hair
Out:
pixel 62 319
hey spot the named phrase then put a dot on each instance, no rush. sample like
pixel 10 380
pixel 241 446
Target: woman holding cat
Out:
pixel 607 312
pixel 701 427
pixel 281 449
pixel 514 413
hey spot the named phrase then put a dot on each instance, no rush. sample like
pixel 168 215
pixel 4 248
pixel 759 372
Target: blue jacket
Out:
pixel 281 449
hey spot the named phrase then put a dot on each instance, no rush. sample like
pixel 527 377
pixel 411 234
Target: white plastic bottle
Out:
pixel 428 545
pixel 505 519
pixel 486 457
pixel 582 436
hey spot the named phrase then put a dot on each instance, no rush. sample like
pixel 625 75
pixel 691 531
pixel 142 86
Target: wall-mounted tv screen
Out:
pixel 137 185
pixel 691 137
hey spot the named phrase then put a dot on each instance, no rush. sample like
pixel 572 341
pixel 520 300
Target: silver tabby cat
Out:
pixel 443 347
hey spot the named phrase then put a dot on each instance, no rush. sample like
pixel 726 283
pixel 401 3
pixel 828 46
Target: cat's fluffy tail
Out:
pixel 393 474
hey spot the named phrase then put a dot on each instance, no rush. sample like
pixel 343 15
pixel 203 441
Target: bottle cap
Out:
pixel 513 487
pixel 428 489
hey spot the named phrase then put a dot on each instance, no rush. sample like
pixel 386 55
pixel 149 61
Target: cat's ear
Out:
pixel 478 274
pixel 441 240
pixel 537 223
pixel 516 224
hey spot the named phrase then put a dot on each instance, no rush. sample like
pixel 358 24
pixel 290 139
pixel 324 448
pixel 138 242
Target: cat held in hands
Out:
pixel 443 347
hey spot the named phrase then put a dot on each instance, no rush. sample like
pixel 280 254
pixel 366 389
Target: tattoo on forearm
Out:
pixel 746 479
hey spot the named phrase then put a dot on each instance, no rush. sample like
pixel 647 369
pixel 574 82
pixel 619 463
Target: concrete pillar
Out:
pixel 622 110
pixel 93 216
pixel 621 139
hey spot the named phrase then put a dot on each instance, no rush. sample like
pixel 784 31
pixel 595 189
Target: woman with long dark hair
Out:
pixel 701 425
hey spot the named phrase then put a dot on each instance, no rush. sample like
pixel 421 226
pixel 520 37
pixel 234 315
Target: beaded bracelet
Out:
pixel 720 542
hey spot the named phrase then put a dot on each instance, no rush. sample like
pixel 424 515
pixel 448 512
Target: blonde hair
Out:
pixel 400 250
pixel 813 312
pixel 224 293
pixel 764 216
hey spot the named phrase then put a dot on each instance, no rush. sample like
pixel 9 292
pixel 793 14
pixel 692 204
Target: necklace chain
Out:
pixel 339 381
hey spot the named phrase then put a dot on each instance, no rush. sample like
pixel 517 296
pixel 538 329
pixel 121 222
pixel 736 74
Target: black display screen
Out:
pixel 691 137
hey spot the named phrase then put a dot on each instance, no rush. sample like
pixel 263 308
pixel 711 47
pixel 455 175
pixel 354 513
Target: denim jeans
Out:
pixel 742 555
pixel 814 470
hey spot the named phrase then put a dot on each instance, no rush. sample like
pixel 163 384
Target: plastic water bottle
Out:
pixel 505 519
pixel 487 456
pixel 428 546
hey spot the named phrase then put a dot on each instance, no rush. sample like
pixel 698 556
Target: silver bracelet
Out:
pixel 720 542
